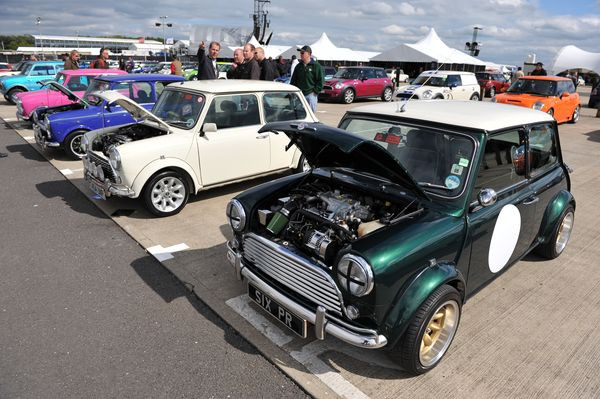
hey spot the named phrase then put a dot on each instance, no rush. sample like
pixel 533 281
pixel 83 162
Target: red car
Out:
pixel 492 83
pixel 350 83
pixel 5 67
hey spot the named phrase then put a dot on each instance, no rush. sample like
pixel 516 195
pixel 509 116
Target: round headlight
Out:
pixel 538 105
pixel 339 85
pixel 427 94
pixel 355 275
pixel 114 157
pixel 236 215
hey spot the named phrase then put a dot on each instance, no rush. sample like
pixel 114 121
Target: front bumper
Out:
pixel 101 184
pixel 323 322
pixel 41 139
pixel 334 93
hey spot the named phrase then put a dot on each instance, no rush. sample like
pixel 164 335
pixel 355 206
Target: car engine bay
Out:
pixel 125 135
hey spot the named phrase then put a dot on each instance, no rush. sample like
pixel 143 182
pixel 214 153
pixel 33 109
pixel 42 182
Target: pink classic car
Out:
pixel 75 81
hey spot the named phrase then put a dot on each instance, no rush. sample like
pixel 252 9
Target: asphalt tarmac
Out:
pixel 86 312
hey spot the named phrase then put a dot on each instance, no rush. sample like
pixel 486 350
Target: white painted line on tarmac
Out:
pixel 241 305
pixel 68 172
pixel 10 119
pixel 161 254
pixel 29 138
pixel 307 356
pixel 323 112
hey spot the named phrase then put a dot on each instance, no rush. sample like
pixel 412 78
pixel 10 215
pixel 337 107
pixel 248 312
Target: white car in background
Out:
pixel 199 135
pixel 391 73
pixel 442 85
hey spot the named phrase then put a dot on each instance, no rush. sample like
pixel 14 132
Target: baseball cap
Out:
pixel 539 63
pixel 306 49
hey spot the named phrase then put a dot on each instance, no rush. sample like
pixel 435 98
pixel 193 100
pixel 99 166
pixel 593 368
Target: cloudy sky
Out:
pixel 512 29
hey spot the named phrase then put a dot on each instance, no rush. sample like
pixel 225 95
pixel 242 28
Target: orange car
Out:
pixel 552 94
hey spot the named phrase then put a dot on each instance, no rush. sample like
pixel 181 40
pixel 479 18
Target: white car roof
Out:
pixel 471 114
pixel 218 86
pixel 443 73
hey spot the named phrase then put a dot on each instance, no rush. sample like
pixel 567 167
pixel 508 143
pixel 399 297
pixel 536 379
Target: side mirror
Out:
pixel 487 197
pixel 108 107
pixel 564 95
pixel 208 128
pixel 452 85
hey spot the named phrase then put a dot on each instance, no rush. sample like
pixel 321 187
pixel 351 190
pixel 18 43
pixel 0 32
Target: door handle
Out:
pixel 531 200
pixel 262 136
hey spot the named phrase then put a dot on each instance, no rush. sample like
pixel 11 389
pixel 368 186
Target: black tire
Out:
pixel 492 91
pixel 575 116
pixel 302 165
pixel 348 96
pixel 194 77
pixel 474 97
pixel 11 95
pixel 387 94
pixel 438 97
pixel 552 249
pixel 165 187
pixel 408 352
pixel 72 144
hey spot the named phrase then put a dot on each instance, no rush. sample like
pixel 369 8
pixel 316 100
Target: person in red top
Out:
pixel 100 62
pixel 176 66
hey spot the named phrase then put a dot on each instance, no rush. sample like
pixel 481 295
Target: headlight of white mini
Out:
pixel 355 275
pixel 427 94
pixel 236 215
pixel 85 143
pixel 538 105
pixel 114 157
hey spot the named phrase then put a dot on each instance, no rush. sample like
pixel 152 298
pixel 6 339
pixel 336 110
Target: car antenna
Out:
pixel 400 108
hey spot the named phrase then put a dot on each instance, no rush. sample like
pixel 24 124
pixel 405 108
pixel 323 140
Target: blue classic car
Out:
pixel 63 126
pixel 28 79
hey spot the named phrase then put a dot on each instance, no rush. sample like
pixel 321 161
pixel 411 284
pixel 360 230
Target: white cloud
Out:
pixel 394 30
pixel 377 8
pixel 509 3
pixel 409 9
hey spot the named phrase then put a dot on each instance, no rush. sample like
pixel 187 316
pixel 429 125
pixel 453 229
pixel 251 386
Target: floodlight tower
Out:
pixel 473 46
pixel 261 21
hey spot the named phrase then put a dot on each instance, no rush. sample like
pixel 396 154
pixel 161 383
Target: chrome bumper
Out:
pixel 41 140
pixel 106 186
pixel 323 323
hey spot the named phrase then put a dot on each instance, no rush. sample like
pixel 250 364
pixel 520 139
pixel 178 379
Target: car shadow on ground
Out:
pixel 27 151
pixel 594 136
pixel 208 267
pixel 70 195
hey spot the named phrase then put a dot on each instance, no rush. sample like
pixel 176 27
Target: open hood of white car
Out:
pixel 137 112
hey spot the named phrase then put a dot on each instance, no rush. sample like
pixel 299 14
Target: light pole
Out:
pixel 77 40
pixel 38 22
pixel 164 19
pixel 473 46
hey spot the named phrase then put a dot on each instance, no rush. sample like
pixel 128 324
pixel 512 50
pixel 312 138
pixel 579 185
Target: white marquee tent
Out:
pixel 273 51
pixel 429 49
pixel 571 57
pixel 324 50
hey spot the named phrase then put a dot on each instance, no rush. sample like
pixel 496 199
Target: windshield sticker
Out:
pixel 393 139
pixel 380 137
pixel 186 109
pixel 452 182
pixel 456 169
pixel 200 99
pixel 190 122
pixel 463 162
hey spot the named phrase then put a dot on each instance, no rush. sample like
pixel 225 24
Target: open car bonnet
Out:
pixel 70 95
pixel 137 112
pixel 324 145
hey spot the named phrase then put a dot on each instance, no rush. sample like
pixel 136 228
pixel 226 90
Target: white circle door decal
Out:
pixel 504 238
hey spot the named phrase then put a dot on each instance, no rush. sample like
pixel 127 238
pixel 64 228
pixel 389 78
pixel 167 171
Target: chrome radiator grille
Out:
pixel 108 172
pixel 293 271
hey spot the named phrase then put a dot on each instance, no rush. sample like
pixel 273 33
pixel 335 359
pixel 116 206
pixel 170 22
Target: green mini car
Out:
pixel 406 212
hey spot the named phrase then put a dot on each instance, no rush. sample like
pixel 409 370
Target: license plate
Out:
pixel 97 190
pixel 287 318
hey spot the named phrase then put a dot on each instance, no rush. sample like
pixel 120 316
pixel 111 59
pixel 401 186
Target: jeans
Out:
pixel 312 101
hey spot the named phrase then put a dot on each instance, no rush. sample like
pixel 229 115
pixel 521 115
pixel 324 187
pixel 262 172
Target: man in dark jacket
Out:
pixel 539 70
pixel 249 68
pixel 72 62
pixel 100 62
pixel 308 77
pixel 267 69
pixel 238 59
pixel 207 64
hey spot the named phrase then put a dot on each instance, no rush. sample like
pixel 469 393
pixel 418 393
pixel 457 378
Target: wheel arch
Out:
pixel 17 86
pixel 164 165
pixel 410 299
pixel 553 212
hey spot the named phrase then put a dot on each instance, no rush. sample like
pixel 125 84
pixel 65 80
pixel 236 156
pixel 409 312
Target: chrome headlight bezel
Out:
pixel 355 275
pixel 114 158
pixel 236 215
pixel 538 106
pixel 427 94
pixel 85 143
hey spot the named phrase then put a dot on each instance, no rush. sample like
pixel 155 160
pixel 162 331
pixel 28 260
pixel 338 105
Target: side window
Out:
pixel 122 88
pixel 380 73
pixel 570 87
pixel 369 73
pixel 159 87
pixel 283 107
pixel 78 83
pixel 542 148
pixel 453 80
pixel 503 163
pixel 142 92
pixel 233 111
pixel 42 70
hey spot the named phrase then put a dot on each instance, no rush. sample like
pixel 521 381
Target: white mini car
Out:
pixel 199 135
pixel 442 85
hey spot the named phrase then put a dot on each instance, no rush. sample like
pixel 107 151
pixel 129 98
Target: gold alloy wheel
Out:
pixel 439 333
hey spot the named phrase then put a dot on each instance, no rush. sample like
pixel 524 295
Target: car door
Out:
pixel 280 107
pixel 456 87
pixel 370 83
pixel 503 231
pixel 236 150
pixel 39 73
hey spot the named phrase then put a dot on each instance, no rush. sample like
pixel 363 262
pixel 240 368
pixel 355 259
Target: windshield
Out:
pixel 96 85
pixel 438 161
pixel 347 73
pixel 179 108
pixel 27 69
pixel 60 79
pixel 437 81
pixel 533 86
